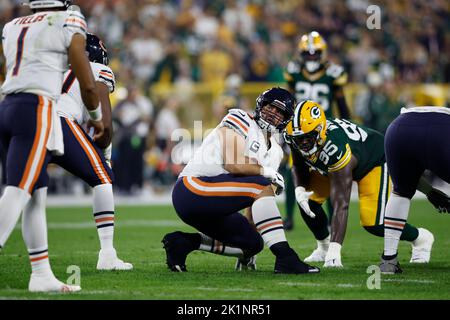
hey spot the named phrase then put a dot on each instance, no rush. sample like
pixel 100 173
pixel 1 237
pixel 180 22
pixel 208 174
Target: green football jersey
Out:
pixel 321 89
pixel 344 139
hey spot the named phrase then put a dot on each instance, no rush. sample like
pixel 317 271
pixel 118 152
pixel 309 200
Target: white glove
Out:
pixel 333 257
pixel 275 178
pixel 302 197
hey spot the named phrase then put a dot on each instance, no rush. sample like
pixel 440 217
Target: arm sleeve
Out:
pixel 105 75
pixel 74 22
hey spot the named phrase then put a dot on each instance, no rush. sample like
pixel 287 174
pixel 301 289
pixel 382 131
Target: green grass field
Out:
pixel 73 241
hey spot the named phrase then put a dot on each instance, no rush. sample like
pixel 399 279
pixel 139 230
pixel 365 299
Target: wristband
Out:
pixel 96 114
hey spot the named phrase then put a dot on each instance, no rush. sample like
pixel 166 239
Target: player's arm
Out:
pixel 233 151
pixel 438 199
pixel 341 102
pixel 105 103
pixel 300 171
pixel 340 80
pixel 236 162
pixel 340 192
pixel 79 64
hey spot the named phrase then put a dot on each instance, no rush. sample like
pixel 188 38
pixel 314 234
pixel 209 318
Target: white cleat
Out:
pixel 108 260
pixel 317 255
pixel 421 247
pixel 48 283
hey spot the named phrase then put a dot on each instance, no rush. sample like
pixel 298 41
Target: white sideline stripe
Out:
pixel 149 198
pixel 295 284
pixel 408 280
pixel 126 223
pixel 347 285
pixel 225 289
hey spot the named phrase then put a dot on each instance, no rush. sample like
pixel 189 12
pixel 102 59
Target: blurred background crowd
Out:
pixel 177 61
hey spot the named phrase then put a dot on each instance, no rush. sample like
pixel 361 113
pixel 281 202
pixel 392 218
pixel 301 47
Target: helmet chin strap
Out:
pixel 264 125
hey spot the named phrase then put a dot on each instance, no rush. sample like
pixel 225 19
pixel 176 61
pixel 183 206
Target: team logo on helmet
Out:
pixel 315 112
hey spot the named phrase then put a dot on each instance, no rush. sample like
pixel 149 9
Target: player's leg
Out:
pixel 194 198
pixel 406 165
pixel 205 204
pixel 438 147
pixel 289 192
pixel 34 230
pixel 231 235
pixel 25 121
pixel 374 190
pixel 319 225
pixel 267 219
pixel 83 159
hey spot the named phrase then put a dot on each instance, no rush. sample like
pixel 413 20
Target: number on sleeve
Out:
pixel 19 52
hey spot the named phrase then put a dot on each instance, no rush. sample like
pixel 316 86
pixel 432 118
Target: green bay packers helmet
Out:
pixel 312 50
pixel 307 131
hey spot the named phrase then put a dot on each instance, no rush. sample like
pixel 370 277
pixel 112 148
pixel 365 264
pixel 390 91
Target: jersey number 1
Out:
pixel 19 53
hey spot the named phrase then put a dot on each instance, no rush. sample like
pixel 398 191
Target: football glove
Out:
pixel 302 197
pixel 333 257
pixel 439 200
pixel 275 178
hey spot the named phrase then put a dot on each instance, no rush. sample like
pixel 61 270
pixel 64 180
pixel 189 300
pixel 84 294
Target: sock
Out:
pixel 34 232
pixel 267 219
pixel 319 224
pixel 324 244
pixel 211 245
pixel 395 217
pixel 12 203
pixel 104 214
pixel 281 249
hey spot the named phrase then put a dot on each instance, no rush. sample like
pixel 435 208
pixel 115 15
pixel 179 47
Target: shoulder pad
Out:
pixel 334 70
pixel 293 67
pixel 238 120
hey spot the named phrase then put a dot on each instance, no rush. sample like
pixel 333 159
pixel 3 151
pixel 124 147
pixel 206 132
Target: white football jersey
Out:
pixel 35 48
pixel 208 160
pixel 70 105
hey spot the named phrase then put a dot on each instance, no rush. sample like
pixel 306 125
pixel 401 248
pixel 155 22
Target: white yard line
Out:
pixel 408 280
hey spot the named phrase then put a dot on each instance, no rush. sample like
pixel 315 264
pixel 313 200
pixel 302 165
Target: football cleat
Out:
pixel 245 264
pixel 292 264
pixel 421 247
pixel 390 266
pixel 177 248
pixel 317 255
pixel 108 260
pixel 48 283
pixel 288 224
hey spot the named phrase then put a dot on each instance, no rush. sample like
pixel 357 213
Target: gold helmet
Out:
pixel 312 50
pixel 307 131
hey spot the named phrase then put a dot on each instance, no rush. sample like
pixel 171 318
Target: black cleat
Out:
pixel 288 224
pixel 177 248
pixel 390 266
pixel 245 264
pixel 292 264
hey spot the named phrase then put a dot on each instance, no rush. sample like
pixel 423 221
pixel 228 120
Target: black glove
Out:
pixel 439 200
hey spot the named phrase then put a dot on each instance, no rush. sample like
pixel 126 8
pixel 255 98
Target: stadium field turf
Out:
pixel 139 230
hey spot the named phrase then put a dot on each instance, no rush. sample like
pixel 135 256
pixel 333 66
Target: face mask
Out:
pixel 312 66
